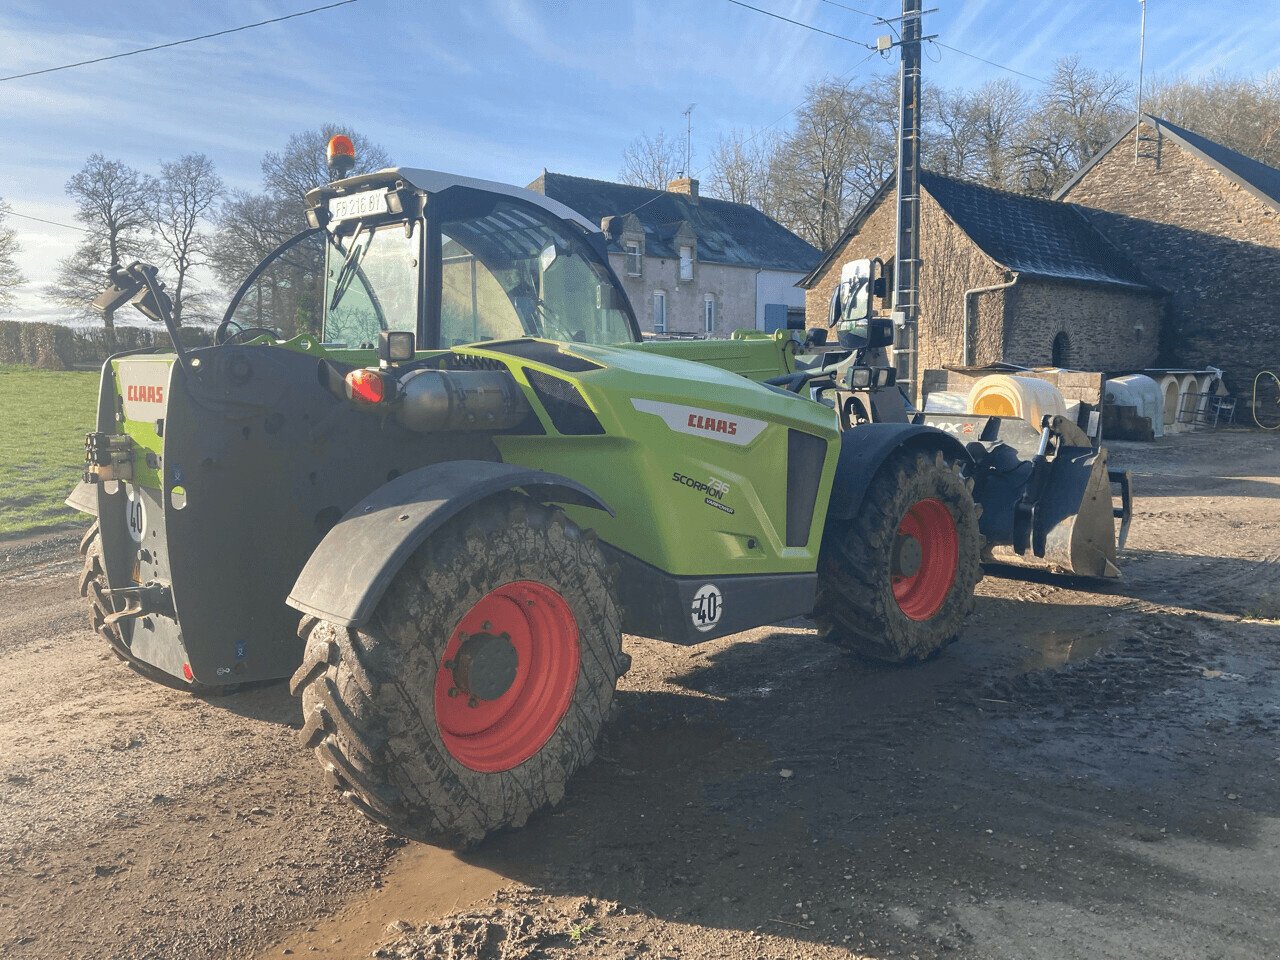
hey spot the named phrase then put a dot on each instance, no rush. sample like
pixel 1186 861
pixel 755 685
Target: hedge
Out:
pixel 52 346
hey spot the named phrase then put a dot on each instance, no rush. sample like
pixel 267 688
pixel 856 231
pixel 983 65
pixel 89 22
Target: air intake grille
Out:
pixel 806 455
pixel 566 407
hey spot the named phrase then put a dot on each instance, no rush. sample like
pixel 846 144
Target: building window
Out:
pixel 635 258
pixel 686 262
pixel 659 312
pixel 709 313
pixel 1062 350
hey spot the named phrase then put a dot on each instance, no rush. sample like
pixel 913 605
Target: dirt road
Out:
pixel 1087 773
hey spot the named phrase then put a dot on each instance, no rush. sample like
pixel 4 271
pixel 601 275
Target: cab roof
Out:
pixel 436 181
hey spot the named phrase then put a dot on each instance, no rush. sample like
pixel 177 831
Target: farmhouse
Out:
pixel 1202 222
pixel 691 264
pixel 1006 277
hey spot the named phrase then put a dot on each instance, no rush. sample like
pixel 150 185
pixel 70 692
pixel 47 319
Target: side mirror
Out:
pixel 815 337
pixel 875 332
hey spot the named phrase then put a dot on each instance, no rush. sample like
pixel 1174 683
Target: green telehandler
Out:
pixel 440 516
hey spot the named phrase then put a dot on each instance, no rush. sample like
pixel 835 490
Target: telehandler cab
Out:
pixel 480 476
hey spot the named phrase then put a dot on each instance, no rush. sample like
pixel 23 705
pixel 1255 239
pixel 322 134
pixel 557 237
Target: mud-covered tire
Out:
pixel 93 585
pixel 856 607
pixel 369 694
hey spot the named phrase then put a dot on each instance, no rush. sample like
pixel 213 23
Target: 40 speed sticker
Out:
pixel 708 606
pixel 135 513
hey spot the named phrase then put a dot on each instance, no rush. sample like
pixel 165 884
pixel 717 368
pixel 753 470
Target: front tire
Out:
pixel 896 583
pixel 481 682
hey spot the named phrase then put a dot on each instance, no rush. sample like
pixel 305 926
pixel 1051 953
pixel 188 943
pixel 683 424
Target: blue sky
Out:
pixel 502 88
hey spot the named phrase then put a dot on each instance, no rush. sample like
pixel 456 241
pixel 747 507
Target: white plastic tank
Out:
pixel 1003 395
pixel 1141 392
pixel 1171 396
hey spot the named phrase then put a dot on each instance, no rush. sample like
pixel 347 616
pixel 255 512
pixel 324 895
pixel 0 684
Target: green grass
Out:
pixel 44 415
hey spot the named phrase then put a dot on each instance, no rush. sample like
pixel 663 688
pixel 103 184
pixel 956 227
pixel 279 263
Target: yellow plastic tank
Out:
pixel 1003 395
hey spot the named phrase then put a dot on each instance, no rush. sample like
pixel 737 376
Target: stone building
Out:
pixel 1005 278
pixel 1203 222
pixel 692 264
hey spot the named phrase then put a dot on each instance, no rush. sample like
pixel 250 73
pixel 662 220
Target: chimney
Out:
pixel 685 185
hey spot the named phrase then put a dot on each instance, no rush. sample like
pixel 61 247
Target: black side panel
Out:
pixel 270 461
pixel 347 574
pixel 565 406
pixel 689 610
pixel 806 455
pixel 864 449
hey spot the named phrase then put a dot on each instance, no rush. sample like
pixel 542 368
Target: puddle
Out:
pixel 1052 649
pixel 422 885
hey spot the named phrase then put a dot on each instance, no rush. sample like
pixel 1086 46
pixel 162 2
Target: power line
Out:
pixel 865 13
pixel 801 23
pixel 52 223
pixel 999 66
pixel 176 43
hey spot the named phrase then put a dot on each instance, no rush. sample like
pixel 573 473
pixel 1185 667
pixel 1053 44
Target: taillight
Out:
pixel 367 386
pixel 186 672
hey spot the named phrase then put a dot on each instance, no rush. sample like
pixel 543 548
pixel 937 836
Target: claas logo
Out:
pixel 140 393
pixel 712 424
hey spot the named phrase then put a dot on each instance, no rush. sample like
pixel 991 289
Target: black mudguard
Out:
pixel 865 449
pixel 354 564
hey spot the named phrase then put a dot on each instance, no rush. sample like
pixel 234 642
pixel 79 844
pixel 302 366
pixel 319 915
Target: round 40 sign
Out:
pixel 136 514
pixel 708 605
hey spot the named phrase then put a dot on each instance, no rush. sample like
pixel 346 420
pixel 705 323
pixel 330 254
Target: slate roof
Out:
pixel 729 233
pixel 1031 236
pixel 1027 235
pixel 1257 178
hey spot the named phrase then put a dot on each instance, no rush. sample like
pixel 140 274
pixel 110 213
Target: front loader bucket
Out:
pixel 1075 520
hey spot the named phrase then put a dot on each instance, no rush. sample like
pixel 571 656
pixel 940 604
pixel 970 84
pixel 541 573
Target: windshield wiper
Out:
pixel 349 266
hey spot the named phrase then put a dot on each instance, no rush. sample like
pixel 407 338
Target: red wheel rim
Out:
pixel 922 594
pixel 498 734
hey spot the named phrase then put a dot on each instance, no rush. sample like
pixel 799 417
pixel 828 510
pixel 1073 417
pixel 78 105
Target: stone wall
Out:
pixel 734 290
pixel 1211 243
pixel 1107 328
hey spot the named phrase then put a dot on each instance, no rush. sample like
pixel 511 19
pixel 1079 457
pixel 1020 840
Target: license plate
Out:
pixel 369 203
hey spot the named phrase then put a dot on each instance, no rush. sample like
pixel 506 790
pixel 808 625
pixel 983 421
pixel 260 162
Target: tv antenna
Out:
pixel 688 139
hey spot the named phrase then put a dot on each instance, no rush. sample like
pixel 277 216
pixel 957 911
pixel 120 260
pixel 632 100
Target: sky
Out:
pixel 501 89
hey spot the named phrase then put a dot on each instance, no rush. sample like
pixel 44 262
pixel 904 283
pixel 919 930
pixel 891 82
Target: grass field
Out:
pixel 44 416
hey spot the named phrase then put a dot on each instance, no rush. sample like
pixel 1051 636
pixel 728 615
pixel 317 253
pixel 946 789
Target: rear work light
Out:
pixel 366 386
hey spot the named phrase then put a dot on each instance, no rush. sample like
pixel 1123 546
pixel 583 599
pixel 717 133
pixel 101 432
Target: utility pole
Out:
pixel 906 274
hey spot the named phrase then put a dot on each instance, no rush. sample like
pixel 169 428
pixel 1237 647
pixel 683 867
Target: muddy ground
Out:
pixel 1089 772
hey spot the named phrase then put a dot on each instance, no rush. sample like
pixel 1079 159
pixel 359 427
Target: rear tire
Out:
pixel 450 768
pixel 93 586
pixel 868 607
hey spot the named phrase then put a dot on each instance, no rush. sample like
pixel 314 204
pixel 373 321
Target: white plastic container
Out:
pixel 1002 395
pixel 1137 390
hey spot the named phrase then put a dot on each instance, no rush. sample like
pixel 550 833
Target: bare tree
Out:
pixel 252 225
pixel 838 154
pixel 112 201
pixel 1240 113
pixel 301 165
pixel 651 161
pixel 10 275
pixel 184 195
pixel 742 169
pixel 1079 113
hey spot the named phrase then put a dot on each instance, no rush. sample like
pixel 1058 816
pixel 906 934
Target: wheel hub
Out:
pixel 907 555
pixel 485 666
